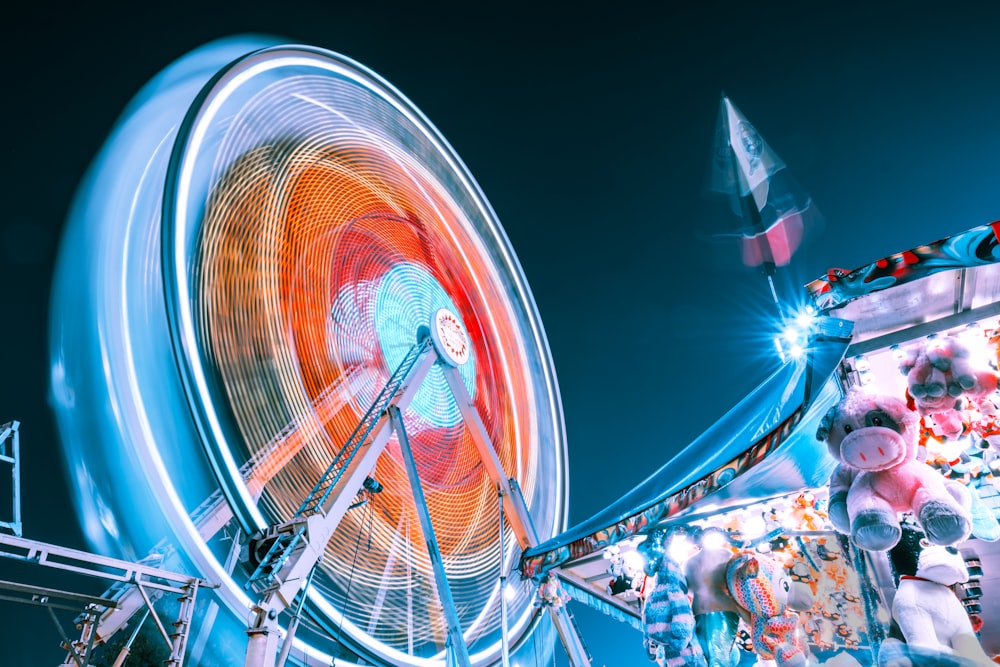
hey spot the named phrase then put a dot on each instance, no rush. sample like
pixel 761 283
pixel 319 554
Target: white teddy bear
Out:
pixel 928 612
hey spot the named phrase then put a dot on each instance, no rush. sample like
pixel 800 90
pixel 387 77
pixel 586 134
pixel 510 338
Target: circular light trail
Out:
pixel 314 225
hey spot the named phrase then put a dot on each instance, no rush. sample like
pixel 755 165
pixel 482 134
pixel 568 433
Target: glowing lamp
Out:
pixel 754 526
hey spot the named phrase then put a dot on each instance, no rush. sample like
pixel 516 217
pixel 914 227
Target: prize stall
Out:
pixel 845 511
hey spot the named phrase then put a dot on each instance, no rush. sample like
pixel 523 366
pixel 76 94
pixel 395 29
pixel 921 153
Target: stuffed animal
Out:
pixel 806 514
pixel 928 612
pixel 764 590
pixel 550 593
pixel 668 619
pixel 874 440
pixel 942 382
pixel 716 614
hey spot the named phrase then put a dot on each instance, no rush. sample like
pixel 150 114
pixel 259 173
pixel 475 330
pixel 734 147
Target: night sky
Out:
pixel 589 128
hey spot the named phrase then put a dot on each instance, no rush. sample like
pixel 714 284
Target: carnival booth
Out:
pixel 845 511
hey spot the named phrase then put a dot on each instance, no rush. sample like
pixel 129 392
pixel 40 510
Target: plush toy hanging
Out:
pixel 955 396
pixel 943 381
pixel 716 614
pixel 762 587
pixel 874 439
pixel 666 614
pixel 928 612
pixel 550 593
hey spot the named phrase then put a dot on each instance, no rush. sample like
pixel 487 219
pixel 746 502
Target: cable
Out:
pixel 350 580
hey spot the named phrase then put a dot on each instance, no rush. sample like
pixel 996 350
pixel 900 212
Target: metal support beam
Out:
pixel 214 513
pixel 182 626
pixel 300 543
pixel 514 506
pixel 504 623
pixel 569 635
pixel 81 562
pixel 123 573
pixel 455 638
pixel 10 454
pixel 319 519
pixel 78 651
pixel 924 329
pixel 156 619
pixel 520 520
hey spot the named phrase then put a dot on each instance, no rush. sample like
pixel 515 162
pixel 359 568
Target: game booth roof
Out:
pixel 760 473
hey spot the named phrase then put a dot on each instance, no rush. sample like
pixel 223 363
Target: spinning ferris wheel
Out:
pixel 306 330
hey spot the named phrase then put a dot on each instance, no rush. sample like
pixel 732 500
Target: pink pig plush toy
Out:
pixel 874 439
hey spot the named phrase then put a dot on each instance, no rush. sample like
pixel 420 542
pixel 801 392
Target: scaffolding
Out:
pixel 148 581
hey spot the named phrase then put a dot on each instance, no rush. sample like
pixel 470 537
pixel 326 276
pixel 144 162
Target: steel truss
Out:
pixel 145 581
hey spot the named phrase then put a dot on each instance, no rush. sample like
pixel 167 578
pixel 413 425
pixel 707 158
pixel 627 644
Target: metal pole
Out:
pixel 156 619
pixel 293 625
pixel 70 646
pixel 182 625
pixel 504 640
pixel 457 641
pixel 127 648
pixel 208 621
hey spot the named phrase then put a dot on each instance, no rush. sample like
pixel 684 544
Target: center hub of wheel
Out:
pixel 450 337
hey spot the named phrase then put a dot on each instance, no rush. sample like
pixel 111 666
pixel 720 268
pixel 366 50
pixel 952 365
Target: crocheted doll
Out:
pixel 667 617
pixel 761 586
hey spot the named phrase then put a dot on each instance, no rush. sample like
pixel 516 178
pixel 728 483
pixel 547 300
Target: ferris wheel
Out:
pixel 298 306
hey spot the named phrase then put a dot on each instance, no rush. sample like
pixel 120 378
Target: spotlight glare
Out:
pixel 754 526
pixel 632 562
pixel 680 549
pixel 804 319
pixel 713 539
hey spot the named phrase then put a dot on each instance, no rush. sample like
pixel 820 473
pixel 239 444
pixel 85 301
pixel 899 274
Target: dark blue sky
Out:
pixel 589 128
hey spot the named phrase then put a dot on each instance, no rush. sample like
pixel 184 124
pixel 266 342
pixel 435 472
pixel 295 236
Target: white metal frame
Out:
pixel 315 530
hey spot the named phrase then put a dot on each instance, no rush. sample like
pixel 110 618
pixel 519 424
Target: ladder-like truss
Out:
pixel 143 580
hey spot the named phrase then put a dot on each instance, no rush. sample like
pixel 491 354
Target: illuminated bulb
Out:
pixel 632 561
pixel 680 549
pixel 509 593
pixel 754 526
pixel 796 351
pixel 978 344
pixel 897 353
pixel 862 364
pixel 713 539
pixel 805 318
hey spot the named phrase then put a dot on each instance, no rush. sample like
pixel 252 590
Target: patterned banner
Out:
pixel 537 565
pixel 976 247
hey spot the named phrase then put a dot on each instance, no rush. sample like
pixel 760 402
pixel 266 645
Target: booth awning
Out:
pixel 730 462
pixel 765 446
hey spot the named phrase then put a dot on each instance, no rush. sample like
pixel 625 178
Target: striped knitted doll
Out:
pixel 668 620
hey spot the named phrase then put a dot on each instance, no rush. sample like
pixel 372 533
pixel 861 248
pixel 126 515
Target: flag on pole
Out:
pixel 772 209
